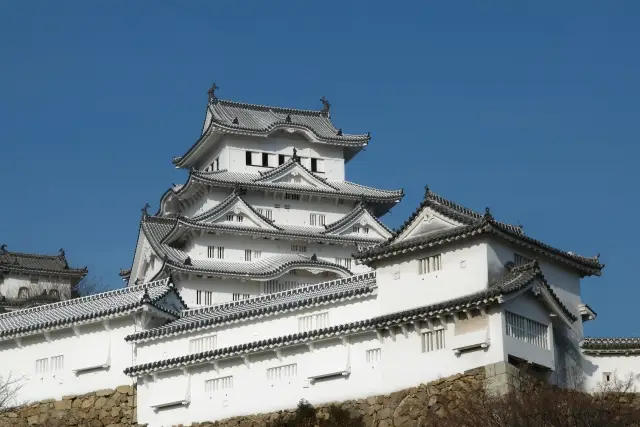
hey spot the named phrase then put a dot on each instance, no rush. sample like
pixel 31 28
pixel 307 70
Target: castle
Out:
pixel 267 278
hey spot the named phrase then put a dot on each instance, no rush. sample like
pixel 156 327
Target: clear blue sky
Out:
pixel 530 108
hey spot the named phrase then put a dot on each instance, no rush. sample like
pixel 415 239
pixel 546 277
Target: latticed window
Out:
pixel 527 330
pixel 313 321
pixel 433 340
pixel 57 363
pixel 211 251
pixel 430 264
pixel 291 196
pixel 345 262
pixel 220 252
pixel 266 212
pixel 218 384
pixel 273 286
pixel 373 356
pixel 42 365
pixel 316 219
pixel 198 345
pixel 238 297
pixel 204 297
pixel 520 260
pixel 284 372
pixel 298 248
pixel 247 254
pixel 23 292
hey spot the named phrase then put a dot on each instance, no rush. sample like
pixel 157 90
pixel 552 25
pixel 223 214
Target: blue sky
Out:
pixel 530 108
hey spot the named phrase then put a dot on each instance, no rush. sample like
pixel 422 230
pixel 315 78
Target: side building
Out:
pixel 27 279
pixel 265 208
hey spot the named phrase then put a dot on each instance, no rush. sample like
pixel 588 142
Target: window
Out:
pixel 230 217
pixel 42 366
pixel 317 165
pixel 298 248
pixel 291 196
pixel 220 252
pixel 373 356
pixel 265 159
pixel 34 280
pixel 607 376
pixel 345 262
pixel 316 219
pixel 313 321
pixel 54 293
pixel 247 254
pixel 239 218
pixel 432 340
pixel 282 372
pixel 527 330
pixel 248 158
pixel 199 345
pixel 267 213
pixel 281 159
pixel 236 218
pixel 238 297
pixel 211 252
pixel 277 206
pixel 23 292
pixel 287 207
pixel 273 286
pixel 356 229
pixel 257 254
pixel 204 297
pixel 520 260
pixel 430 264
pixel 216 165
pixel 57 363
pixel 217 384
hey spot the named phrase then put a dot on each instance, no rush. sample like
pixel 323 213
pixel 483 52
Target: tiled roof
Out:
pixel 484 225
pixel 86 309
pixel 343 189
pixel 155 229
pixel 359 209
pixel 261 120
pixel 617 345
pixel 35 263
pixel 516 280
pixel 28 302
pixel 270 304
pixel 226 203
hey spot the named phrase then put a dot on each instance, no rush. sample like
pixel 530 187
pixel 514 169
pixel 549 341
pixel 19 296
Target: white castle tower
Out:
pixel 265 208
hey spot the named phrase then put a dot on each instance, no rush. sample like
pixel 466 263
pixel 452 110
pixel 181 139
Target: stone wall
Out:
pixel 110 408
pixel 406 408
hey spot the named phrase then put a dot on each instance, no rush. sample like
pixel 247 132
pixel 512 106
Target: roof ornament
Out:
pixel 326 106
pixel 427 191
pixel 3 248
pixel 236 188
pixel 61 252
pixel 339 132
pixel 144 210
pixel 487 214
pixel 597 257
pixel 145 296
pixel 236 121
pixel 288 119
pixel 187 261
pixel 212 91
pixel 295 156
pixel 137 282
pixel 314 257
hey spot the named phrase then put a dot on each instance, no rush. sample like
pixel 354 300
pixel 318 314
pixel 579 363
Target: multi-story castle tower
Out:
pixel 266 206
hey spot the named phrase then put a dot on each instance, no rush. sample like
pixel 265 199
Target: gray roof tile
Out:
pixel 35 263
pixel 64 313
pixel 270 304
pixel 611 345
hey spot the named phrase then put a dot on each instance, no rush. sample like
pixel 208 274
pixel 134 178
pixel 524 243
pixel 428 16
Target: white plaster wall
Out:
pixel 93 343
pixel 256 329
pixel 464 271
pixel 281 143
pixel 403 365
pixel 11 283
pixel 620 366
pixel 208 201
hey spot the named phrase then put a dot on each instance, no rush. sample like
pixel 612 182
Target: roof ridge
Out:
pixel 72 301
pixel 267 108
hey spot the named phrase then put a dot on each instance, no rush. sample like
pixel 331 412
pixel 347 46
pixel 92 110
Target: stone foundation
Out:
pixel 406 408
pixel 111 408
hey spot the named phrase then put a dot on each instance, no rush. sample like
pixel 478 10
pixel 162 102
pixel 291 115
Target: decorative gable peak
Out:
pixel 235 211
pixel 360 222
pixel 294 173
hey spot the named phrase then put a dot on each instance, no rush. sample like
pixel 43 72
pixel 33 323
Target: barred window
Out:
pixel 198 345
pixel 520 260
pixel 218 384
pixel 267 213
pixel 433 340
pixel 211 252
pixel 273 286
pixel 42 365
pixel 247 254
pixel 527 330
pixel 57 363
pixel 291 196
pixel 298 248
pixel 279 373
pixel 316 219
pixel 238 297
pixel 344 262
pixel 313 321
pixel 220 252
pixel 204 297
pixel 373 356
pixel 430 264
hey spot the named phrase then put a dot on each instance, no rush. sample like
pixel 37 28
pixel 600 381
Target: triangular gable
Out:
pixel 354 223
pixel 235 211
pixel 294 173
pixel 426 221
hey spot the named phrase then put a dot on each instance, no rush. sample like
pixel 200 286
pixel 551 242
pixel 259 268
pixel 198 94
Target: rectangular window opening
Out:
pixel 430 264
pixel 527 330
pixel 433 340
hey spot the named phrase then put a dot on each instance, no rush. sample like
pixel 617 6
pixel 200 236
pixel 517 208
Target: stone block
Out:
pixel 62 405
pixel 105 392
